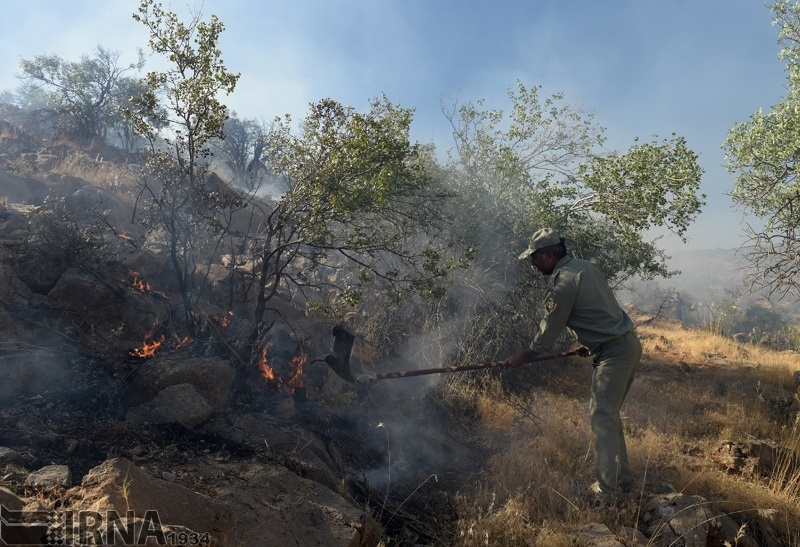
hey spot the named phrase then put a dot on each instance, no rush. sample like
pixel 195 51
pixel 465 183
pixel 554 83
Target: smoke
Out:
pixel 406 422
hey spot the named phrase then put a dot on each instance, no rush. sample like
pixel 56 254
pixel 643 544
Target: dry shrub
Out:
pixel 676 417
pixel 487 522
pixel 672 339
pixel 110 175
pixel 481 398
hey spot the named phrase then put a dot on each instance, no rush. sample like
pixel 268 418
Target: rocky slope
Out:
pixel 113 429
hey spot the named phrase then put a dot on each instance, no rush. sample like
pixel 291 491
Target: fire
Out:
pixel 123 236
pixel 225 321
pixel 186 340
pixel 263 365
pixel 140 284
pixel 144 286
pixel 148 349
pixel 295 366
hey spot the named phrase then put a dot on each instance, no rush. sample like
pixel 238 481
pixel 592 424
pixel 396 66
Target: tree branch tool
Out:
pixel 375 376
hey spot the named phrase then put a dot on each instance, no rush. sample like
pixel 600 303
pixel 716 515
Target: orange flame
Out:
pixel 144 286
pixel 279 382
pixel 296 364
pixel 186 340
pixel 140 284
pixel 123 236
pixel 225 321
pixel 148 349
pixel 263 365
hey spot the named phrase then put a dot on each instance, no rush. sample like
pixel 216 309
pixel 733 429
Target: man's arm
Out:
pixel 558 305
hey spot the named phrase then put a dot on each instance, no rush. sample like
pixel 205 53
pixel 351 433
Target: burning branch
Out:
pixel 144 286
pixel 263 365
pixel 149 348
pixel 295 366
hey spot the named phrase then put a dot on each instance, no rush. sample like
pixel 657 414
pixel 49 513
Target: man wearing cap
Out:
pixel 580 300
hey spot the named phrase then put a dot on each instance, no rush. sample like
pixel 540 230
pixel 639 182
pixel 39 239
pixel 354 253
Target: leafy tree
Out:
pixel 177 197
pixel 538 165
pixel 358 214
pixel 85 97
pixel 763 152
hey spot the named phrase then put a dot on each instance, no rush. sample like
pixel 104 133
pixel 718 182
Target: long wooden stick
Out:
pixel 373 376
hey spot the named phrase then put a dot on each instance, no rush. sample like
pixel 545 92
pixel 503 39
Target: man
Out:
pixel 580 300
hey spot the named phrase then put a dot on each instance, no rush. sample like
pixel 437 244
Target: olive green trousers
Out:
pixel 614 369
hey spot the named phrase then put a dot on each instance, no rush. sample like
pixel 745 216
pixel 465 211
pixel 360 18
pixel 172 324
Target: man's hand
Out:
pixel 583 351
pixel 519 359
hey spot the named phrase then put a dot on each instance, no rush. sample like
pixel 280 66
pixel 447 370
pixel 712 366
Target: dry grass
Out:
pixel 687 400
pixel 96 171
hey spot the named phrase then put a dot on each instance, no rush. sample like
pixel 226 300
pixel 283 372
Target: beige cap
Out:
pixel 540 239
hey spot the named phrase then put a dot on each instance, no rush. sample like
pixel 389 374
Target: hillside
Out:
pixel 105 410
pixel 707 272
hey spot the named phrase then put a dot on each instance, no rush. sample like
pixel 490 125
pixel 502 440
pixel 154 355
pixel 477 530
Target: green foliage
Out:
pixel 650 185
pixel 177 198
pixel 359 212
pixel 190 86
pixel 763 152
pixel 538 166
pixel 86 97
pixel 345 164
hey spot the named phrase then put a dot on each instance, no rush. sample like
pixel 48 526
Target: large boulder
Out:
pixel 178 404
pixel 257 503
pixel 105 311
pixel 682 519
pixel 211 377
pixel 269 505
pixel 118 485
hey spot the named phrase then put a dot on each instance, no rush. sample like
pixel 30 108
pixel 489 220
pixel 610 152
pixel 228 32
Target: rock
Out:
pixel 14 188
pixel 781 404
pixel 260 503
pixel 96 199
pixel 120 316
pixel 118 485
pixel 687 520
pixel 594 535
pixel 632 537
pixel 307 454
pixel 7 455
pixel 9 500
pixel 749 457
pixel 270 505
pixel 50 476
pixel 13 292
pixel 180 404
pixel 211 377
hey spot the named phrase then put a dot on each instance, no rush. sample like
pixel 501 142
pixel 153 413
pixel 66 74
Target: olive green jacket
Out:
pixel 580 300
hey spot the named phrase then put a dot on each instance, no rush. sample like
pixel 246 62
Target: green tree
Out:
pixel 180 109
pixel 358 215
pixel 762 152
pixel 538 164
pixel 84 97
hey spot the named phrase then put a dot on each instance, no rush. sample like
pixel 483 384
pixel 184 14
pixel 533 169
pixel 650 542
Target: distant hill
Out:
pixel 707 272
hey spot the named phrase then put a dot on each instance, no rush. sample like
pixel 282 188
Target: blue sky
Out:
pixel 645 67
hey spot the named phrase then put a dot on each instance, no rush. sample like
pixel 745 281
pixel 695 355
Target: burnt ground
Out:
pixel 407 482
